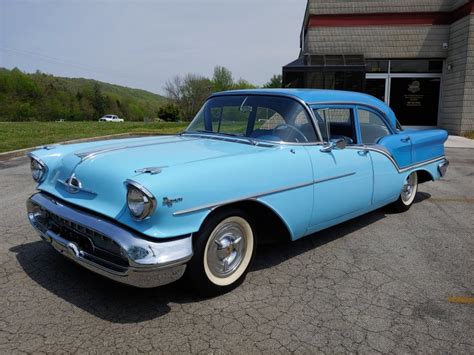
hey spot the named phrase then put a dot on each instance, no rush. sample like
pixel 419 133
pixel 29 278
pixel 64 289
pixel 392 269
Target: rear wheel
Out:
pixel 223 251
pixel 407 196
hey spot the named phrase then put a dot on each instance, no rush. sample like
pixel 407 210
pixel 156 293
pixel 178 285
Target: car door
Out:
pixel 380 138
pixel 343 178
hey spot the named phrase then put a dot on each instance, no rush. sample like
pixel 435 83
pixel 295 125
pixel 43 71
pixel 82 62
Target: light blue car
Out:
pixel 252 165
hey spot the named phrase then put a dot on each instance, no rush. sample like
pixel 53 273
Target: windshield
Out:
pixel 270 118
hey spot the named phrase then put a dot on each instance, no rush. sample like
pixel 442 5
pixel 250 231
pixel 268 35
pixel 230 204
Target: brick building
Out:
pixel 416 55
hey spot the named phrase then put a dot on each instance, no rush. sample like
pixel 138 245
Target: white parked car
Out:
pixel 110 118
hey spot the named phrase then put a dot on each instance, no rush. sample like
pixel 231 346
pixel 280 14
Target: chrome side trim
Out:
pixel 318 181
pixel 256 196
pixel 333 178
pixel 249 197
pixel 417 165
pixel 381 150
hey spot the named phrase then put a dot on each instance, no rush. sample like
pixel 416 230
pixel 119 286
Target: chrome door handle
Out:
pixel 405 140
pixel 362 152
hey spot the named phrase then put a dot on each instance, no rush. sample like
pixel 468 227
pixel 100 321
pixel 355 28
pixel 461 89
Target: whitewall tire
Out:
pixel 408 193
pixel 224 249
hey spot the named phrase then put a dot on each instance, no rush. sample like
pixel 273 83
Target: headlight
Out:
pixel 141 203
pixel 38 169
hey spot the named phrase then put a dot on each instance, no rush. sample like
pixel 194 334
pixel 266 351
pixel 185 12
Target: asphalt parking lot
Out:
pixel 380 283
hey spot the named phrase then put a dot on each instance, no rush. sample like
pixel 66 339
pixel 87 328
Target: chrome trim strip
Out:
pixel 249 197
pixel 256 196
pixel 93 153
pixel 333 178
pixel 417 165
pixel 392 159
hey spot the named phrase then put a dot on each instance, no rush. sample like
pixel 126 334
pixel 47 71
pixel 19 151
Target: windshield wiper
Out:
pixel 234 135
pixel 248 139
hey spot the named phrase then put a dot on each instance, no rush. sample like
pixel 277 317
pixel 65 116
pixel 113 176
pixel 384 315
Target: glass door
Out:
pixel 377 85
pixel 415 100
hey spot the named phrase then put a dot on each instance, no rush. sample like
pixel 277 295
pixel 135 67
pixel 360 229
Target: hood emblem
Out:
pixel 170 201
pixel 73 185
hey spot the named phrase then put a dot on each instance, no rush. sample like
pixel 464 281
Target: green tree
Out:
pixel 189 93
pixel 98 101
pixel 169 112
pixel 222 79
pixel 243 84
pixel 274 82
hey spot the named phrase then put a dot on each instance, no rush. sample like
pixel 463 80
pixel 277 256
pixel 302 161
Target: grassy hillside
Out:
pixel 43 97
pixel 17 135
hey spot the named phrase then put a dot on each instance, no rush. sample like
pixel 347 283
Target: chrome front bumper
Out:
pixel 106 248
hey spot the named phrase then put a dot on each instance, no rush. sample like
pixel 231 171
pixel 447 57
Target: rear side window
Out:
pixel 372 126
pixel 340 122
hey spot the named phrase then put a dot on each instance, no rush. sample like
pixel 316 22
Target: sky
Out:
pixel 142 44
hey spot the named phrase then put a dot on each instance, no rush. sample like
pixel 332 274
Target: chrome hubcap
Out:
pixel 409 187
pixel 227 249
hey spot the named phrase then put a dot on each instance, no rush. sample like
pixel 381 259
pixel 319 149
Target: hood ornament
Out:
pixel 73 185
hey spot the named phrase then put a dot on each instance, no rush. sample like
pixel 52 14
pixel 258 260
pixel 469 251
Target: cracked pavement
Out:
pixel 377 284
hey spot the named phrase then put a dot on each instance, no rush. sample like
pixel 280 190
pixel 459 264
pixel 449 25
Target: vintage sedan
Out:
pixel 252 165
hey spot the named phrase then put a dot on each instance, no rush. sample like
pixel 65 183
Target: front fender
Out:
pixel 279 177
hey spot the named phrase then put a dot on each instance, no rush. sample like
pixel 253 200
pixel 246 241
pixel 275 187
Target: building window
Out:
pixel 416 66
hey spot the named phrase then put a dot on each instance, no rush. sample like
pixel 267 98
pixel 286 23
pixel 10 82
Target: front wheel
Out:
pixel 408 193
pixel 223 251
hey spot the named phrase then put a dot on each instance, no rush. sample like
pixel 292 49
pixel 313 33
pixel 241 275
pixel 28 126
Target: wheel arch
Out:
pixel 424 176
pixel 269 225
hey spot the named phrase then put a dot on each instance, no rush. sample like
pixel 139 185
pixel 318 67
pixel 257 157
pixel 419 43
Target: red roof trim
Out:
pixel 391 19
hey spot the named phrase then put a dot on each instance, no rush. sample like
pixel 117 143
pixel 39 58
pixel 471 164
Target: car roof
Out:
pixel 320 96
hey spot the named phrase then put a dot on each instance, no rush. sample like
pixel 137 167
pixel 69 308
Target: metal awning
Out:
pixel 319 63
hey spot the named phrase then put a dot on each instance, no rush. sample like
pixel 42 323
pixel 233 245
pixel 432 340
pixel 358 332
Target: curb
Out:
pixel 22 152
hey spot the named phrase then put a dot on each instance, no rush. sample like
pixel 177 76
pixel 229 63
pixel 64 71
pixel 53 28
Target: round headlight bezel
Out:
pixel 135 193
pixel 38 169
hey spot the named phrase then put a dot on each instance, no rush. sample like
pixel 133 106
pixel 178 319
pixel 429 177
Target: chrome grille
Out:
pixel 88 240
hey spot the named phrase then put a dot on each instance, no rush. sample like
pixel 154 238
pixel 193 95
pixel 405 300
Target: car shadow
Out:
pixel 119 303
pixel 97 295
pixel 270 255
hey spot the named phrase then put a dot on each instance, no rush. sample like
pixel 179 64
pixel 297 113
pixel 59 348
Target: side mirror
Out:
pixel 339 143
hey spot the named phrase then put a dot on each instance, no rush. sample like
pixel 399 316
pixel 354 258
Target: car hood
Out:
pixel 102 167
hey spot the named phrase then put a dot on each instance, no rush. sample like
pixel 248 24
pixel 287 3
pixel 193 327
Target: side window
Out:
pixel 340 122
pixel 372 126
